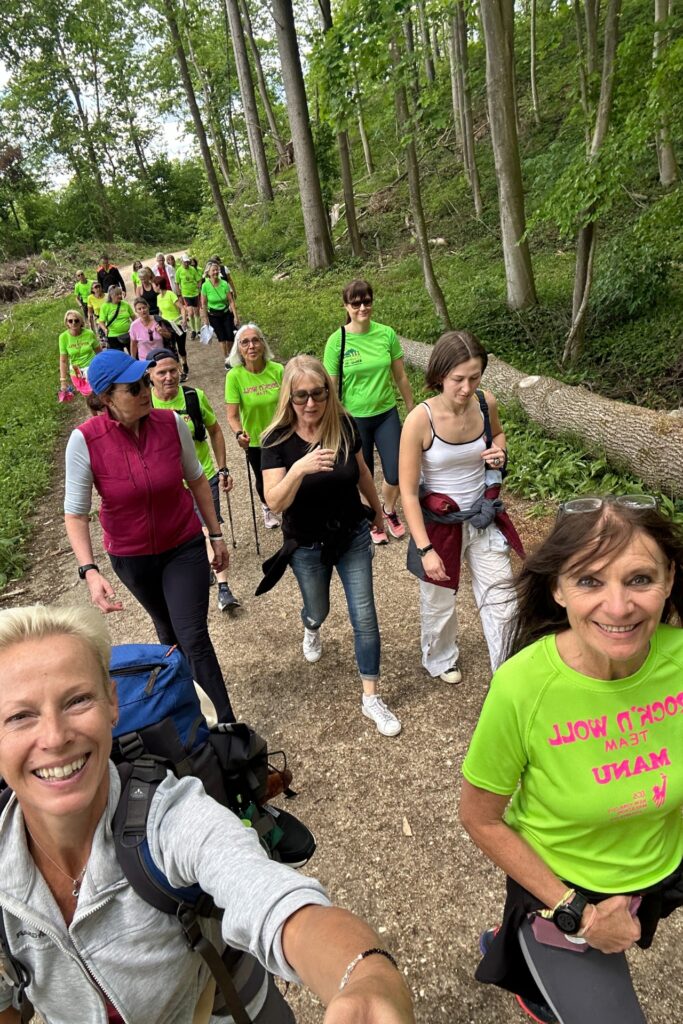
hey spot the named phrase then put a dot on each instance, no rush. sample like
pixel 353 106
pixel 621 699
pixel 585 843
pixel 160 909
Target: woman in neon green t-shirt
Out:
pixel 78 346
pixel 372 364
pixel 115 318
pixel 252 391
pixel 573 783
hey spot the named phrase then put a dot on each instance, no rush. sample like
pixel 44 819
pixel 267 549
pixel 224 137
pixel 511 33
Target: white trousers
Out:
pixel 487 554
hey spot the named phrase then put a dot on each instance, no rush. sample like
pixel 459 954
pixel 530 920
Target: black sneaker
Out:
pixel 226 599
pixel 540 1012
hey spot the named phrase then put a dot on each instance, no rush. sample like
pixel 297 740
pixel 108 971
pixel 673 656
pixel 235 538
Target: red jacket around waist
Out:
pixel 446 538
pixel 145 508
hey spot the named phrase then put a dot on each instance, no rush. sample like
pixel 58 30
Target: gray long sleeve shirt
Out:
pixel 117 942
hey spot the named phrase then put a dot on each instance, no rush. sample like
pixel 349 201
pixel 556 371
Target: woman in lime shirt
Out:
pixel 115 319
pixel 252 390
pixel 78 346
pixel 573 780
pixel 82 290
pixel 372 364
pixel 218 309
pixel 173 311
pixel 95 302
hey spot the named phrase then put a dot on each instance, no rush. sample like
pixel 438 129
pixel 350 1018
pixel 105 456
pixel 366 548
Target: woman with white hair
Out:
pixel 252 389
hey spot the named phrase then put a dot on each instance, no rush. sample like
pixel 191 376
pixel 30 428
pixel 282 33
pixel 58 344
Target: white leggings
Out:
pixel 487 554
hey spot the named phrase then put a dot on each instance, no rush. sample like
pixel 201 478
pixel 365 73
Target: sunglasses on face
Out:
pixel 74 321
pixel 136 387
pixel 317 394
pixel 357 303
pixel 96 288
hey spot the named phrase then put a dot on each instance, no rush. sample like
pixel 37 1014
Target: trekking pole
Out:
pixel 253 510
pixel 232 528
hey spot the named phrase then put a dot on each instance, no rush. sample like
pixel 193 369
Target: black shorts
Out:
pixel 223 324
pixel 119 342
pixel 216 495
pixel 191 300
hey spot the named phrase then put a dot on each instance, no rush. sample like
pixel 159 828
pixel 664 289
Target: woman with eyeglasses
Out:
pixel 252 389
pixel 313 471
pixel 146 333
pixel 115 318
pixel 364 360
pixel 138 458
pixel 78 346
pixel 95 302
pixel 573 783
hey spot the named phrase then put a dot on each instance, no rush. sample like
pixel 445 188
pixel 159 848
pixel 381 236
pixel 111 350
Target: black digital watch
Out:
pixel 567 917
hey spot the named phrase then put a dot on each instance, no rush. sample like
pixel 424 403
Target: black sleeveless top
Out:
pixel 150 296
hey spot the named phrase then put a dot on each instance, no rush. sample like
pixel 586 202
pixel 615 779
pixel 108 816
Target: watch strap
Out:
pixel 423 551
pixel 83 569
pixel 567 917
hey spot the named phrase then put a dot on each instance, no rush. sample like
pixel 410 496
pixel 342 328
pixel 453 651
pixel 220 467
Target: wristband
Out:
pixel 215 536
pixel 568 895
pixel 224 471
pixel 238 434
pixel 361 956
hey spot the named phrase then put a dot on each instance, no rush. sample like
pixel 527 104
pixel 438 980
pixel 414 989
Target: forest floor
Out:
pixel 384 811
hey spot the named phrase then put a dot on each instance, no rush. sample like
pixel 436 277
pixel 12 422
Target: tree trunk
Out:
pixel 645 442
pixel 583 70
pixel 430 74
pixel 218 201
pixel 409 37
pixel 280 147
pixel 413 169
pixel 436 50
pixel 521 290
pixel 666 157
pixel 254 134
pixel 318 239
pixel 507 9
pixel 534 85
pixel 591 10
pixel 456 97
pixel 367 153
pixel 208 101
pixel 585 246
pixel 462 66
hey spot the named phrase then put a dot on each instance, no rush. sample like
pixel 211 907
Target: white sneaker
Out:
pixel 452 674
pixel 313 644
pixel 386 721
pixel 270 520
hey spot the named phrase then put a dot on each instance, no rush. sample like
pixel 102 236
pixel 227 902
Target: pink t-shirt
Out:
pixel 147 337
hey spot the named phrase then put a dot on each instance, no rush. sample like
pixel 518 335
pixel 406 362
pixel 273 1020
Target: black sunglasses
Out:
pixel 72 321
pixel 301 397
pixel 357 303
pixel 136 387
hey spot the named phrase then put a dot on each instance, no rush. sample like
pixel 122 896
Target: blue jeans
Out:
pixel 355 572
pixel 384 433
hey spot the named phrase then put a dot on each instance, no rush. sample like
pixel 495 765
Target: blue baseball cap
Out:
pixel 113 367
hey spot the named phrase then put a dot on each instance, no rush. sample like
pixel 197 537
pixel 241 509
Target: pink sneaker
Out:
pixel 378 536
pixel 394 524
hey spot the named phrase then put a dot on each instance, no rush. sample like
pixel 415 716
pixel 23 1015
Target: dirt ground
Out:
pixel 384 811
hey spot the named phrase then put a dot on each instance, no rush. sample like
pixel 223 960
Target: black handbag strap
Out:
pixel 340 372
pixel 108 323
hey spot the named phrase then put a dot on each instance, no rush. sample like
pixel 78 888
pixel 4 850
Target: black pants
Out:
pixel 254 460
pixel 119 342
pixel 173 588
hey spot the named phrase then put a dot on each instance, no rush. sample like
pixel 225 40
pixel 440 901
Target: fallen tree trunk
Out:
pixel 645 442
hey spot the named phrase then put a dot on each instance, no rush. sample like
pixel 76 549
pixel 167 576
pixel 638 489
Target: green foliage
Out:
pixel 30 420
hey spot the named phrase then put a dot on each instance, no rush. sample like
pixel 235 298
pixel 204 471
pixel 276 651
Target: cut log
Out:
pixel 645 442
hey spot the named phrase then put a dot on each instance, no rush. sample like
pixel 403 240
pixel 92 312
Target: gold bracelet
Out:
pixel 566 898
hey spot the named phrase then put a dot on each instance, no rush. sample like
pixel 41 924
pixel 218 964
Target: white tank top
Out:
pixel 455 469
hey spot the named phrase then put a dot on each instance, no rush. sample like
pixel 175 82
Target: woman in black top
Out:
pixel 146 291
pixel 313 469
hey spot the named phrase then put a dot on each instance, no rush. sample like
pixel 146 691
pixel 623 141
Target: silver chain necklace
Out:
pixel 77 882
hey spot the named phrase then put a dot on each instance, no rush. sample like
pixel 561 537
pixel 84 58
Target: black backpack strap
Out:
pixel 194 412
pixel 139 783
pixel 484 406
pixel 14 968
pixel 340 372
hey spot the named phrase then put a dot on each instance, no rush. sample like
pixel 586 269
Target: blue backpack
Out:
pixel 161 727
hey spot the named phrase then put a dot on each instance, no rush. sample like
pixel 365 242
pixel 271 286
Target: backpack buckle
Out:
pixel 131 746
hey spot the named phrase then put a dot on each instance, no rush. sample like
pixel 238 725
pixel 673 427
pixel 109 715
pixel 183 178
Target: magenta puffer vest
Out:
pixel 145 509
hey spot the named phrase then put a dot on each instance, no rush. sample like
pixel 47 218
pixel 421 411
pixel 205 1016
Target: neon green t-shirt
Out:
pixel 600 763
pixel 168 305
pixel 82 290
pixel 95 302
pixel 217 295
pixel 203 448
pixel 80 350
pixel 121 325
pixel 188 279
pixel 368 383
pixel 135 278
pixel 257 395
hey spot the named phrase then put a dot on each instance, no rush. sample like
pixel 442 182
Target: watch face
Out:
pixel 566 921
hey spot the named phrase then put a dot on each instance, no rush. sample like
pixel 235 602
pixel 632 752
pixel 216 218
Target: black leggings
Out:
pixel 173 588
pixel 580 987
pixel 254 460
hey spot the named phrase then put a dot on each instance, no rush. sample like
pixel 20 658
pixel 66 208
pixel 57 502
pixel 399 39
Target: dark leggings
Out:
pixel 581 987
pixel 181 345
pixel 384 431
pixel 173 588
pixel 254 460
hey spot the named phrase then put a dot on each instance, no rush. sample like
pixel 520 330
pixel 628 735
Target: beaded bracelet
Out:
pixel 361 956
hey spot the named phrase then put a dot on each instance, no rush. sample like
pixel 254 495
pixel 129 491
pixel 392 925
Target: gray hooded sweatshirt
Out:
pixel 118 943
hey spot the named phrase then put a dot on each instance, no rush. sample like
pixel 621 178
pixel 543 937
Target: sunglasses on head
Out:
pixel 640 502
pixel 136 387
pixel 357 303
pixel 317 394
